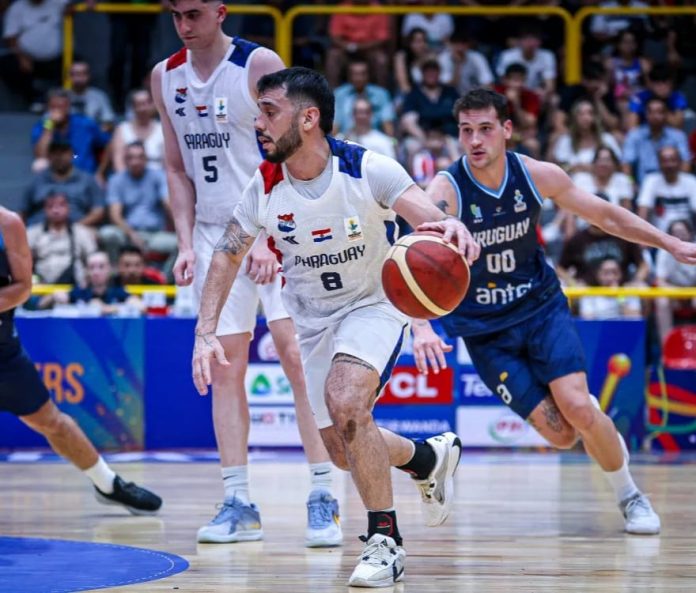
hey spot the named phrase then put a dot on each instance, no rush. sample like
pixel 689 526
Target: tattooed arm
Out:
pixel 225 264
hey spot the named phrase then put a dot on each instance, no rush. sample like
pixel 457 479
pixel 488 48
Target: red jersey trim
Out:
pixel 177 59
pixel 272 175
pixel 279 257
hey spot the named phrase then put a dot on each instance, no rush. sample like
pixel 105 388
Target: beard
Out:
pixel 286 145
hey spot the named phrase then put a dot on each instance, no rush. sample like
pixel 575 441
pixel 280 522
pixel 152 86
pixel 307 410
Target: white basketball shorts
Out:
pixel 374 333
pixel 238 314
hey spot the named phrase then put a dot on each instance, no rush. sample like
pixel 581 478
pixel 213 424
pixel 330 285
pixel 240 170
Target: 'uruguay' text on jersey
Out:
pixel 511 276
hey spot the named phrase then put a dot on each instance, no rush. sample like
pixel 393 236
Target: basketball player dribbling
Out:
pixel 515 319
pixel 329 208
pixel 206 97
pixel 23 394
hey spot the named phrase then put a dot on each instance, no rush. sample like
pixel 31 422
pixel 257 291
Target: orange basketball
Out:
pixel 423 276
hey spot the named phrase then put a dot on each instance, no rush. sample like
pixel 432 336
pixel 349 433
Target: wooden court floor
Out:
pixel 521 524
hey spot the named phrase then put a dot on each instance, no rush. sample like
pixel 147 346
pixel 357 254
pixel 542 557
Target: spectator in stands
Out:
pixel 438 27
pixel 138 208
pixel 408 62
pixel 88 100
pixel 668 194
pixel 643 143
pixel 627 67
pixel 88 140
pixel 583 251
pixel 129 49
pixel 365 134
pixel 660 85
pixel 428 106
pixel 143 127
pixel 606 178
pixel 59 247
pixel 575 150
pixel 359 86
pixel 540 63
pixel 439 151
pixel 524 107
pixel 99 290
pixel 85 197
pixel 33 31
pixel 607 273
pixel 132 270
pixel 359 35
pixel 595 88
pixel 671 273
pixel 607 27
pixel 462 67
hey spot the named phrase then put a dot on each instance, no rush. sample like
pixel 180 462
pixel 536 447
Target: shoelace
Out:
pixel 223 509
pixel 320 513
pixel 378 553
pixel 639 503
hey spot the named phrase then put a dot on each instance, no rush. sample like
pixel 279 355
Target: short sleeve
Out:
pixel 646 196
pixel 387 178
pixel 485 76
pixel 247 211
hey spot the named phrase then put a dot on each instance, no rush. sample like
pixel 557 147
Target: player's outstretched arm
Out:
pixel 182 193
pixel 19 259
pixel 442 193
pixel 225 263
pixel 553 182
pixel 416 208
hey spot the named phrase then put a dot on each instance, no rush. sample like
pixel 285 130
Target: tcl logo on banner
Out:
pixel 408 386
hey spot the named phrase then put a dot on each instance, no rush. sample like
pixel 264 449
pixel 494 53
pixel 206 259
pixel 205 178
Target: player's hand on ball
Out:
pixel 206 348
pixel 428 347
pixel 183 267
pixel 262 264
pixel 453 228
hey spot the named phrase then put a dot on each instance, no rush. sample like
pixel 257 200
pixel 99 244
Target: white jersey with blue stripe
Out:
pixel 511 277
pixel 214 124
pixel 331 248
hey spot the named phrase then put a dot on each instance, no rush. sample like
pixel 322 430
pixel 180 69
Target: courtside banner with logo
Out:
pixel 94 371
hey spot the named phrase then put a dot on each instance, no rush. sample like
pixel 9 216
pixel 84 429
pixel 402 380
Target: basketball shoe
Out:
pixel 138 500
pixel 235 522
pixel 437 490
pixel 323 522
pixel 639 516
pixel 381 563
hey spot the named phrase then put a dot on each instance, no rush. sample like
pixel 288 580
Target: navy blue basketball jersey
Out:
pixel 511 277
pixel 7 329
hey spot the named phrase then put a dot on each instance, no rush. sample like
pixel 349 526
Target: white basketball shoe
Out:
pixel 381 563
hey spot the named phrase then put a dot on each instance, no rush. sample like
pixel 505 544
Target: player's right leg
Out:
pixel 24 395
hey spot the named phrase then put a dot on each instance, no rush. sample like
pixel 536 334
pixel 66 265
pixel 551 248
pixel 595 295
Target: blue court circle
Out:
pixel 29 565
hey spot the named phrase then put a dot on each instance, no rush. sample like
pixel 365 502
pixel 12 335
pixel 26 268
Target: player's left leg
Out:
pixel 323 517
pixel 603 444
pixel 67 439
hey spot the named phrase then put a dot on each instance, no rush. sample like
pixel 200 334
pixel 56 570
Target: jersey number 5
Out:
pixel 211 168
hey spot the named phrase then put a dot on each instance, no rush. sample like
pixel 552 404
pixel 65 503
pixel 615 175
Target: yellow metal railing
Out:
pixel 571 292
pixel 113 8
pixel 284 22
pixel 284 38
pixel 574 50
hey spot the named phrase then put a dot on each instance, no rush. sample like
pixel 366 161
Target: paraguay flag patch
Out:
pixel 321 235
pixel 202 110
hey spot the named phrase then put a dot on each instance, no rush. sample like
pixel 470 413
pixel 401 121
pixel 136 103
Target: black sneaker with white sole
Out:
pixel 136 499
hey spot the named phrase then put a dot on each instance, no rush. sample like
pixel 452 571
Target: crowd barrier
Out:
pixel 128 383
pixel 573 23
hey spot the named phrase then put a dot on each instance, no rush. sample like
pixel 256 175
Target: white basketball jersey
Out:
pixel 214 124
pixel 332 248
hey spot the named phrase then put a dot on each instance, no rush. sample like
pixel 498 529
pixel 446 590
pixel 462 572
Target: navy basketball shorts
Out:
pixel 519 362
pixel 21 390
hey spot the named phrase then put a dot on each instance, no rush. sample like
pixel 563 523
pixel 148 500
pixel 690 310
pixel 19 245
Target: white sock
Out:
pixel 102 476
pixel 622 483
pixel 236 481
pixel 320 475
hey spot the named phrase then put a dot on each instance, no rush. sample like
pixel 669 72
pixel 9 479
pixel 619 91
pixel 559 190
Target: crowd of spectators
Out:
pixel 625 132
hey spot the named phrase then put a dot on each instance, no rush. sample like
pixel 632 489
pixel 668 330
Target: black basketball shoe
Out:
pixel 138 500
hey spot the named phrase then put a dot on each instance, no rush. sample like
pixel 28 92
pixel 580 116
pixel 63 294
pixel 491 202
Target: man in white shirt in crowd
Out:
pixel 669 194
pixel 462 67
pixel 364 134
